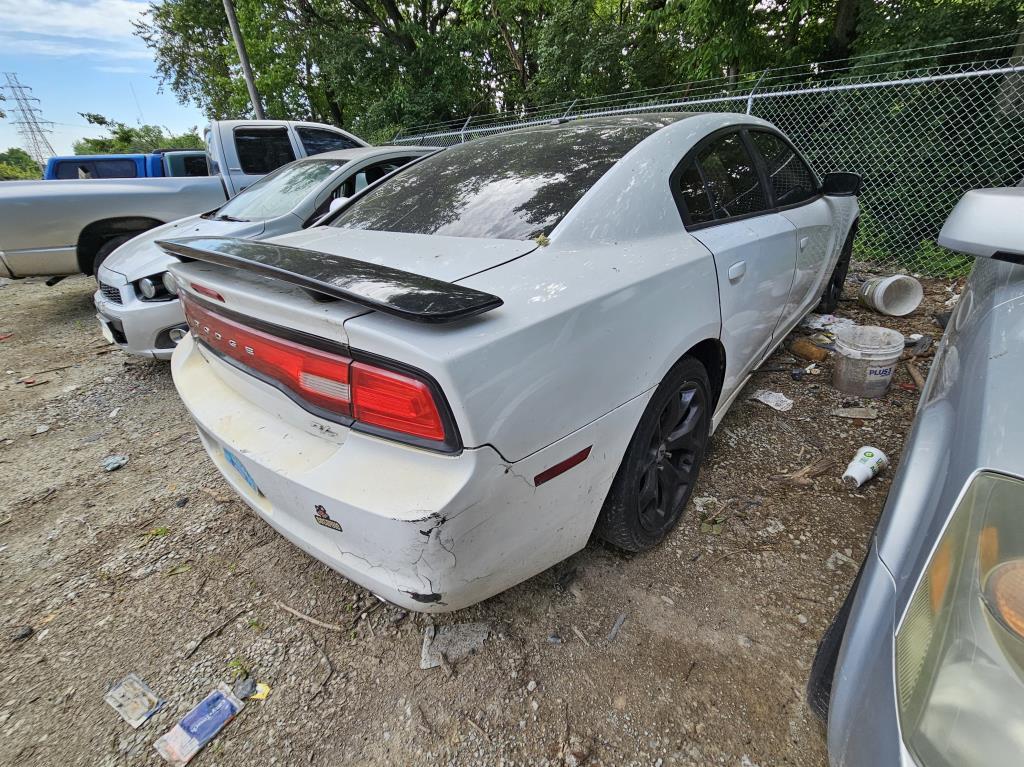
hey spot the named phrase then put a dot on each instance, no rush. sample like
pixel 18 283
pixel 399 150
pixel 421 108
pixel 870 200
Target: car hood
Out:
pixel 140 256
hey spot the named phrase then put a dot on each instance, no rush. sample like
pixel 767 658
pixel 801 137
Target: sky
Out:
pixel 81 56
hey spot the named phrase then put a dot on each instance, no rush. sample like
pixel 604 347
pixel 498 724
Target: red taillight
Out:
pixel 394 401
pixel 369 394
pixel 319 378
pixel 208 292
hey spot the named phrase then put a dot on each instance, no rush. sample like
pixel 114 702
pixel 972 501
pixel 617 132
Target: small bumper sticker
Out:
pixel 323 518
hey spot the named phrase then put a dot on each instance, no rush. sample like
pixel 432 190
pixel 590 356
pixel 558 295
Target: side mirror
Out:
pixel 336 203
pixel 841 184
pixel 988 223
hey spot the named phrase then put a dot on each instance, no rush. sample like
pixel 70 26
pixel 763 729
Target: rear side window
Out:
pixel 116 169
pixel 317 140
pixel 261 150
pixel 370 174
pixel 515 185
pixel 67 170
pixel 731 178
pixel 792 181
pixel 695 195
pixel 97 169
pixel 188 165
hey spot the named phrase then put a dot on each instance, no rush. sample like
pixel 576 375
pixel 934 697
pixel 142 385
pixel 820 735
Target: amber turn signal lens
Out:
pixel 1004 595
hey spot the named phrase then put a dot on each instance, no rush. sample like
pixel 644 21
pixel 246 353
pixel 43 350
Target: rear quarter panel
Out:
pixel 590 321
pixel 582 331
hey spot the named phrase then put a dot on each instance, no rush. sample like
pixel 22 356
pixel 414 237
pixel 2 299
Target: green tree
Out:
pixel 369 65
pixel 17 164
pixel 126 139
pixel 376 65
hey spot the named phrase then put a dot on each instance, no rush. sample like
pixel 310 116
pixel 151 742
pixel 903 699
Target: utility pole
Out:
pixel 250 83
pixel 31 127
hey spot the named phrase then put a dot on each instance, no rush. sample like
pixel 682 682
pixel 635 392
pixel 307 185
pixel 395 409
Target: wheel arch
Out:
pixel 711 354
pixel 93 236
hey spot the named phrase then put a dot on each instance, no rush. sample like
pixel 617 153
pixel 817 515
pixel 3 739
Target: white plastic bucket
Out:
pixel 896 296
pixel 866 358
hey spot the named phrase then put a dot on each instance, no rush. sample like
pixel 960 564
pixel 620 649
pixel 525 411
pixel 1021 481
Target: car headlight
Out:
pixel 157 287
pixel 960 644
pixel 170 284
pixel 147 287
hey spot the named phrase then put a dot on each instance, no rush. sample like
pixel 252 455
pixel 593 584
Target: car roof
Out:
pixel 606 124
pixel 361 152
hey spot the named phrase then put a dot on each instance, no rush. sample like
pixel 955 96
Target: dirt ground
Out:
pixel 156 569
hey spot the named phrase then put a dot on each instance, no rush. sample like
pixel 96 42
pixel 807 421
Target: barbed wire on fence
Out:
pixel 920 136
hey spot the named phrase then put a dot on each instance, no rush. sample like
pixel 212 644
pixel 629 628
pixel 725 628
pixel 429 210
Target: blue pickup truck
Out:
pixel 159 164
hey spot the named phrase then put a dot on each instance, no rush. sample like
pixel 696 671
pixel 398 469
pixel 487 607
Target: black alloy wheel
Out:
pixel 659 471
pixel 671 462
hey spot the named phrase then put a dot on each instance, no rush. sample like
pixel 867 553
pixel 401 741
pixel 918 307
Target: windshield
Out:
pixel 516 185
pixel 279 192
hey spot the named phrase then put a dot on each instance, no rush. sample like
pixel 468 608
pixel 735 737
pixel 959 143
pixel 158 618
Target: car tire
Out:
pixel 659 470
pixel 823 668
pixel 105 250
pixel 834 287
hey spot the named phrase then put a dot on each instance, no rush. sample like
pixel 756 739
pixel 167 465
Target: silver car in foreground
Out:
pixel 931 666
pixel 139 310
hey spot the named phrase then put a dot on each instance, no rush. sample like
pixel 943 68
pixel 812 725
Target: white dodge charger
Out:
pixel 506 347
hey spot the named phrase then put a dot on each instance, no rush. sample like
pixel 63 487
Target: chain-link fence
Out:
pixel 920 134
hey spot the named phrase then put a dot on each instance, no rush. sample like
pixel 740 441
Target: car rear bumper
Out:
pixel 138 327
pixel 425 530
pixel 863 725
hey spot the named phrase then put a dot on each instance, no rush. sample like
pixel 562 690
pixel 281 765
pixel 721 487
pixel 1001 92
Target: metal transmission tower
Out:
pixel 31 127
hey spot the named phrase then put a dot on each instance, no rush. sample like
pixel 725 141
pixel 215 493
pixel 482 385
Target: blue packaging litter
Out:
pixel 199 726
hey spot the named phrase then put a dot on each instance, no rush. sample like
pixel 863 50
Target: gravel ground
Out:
pixel 156 569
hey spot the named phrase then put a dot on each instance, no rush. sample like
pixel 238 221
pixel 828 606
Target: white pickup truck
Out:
pixel 56 228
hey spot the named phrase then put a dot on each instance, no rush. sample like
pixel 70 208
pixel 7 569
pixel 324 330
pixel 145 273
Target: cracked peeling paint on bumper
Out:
pixel 426 531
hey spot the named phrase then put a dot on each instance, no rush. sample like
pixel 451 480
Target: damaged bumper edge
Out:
pixel 430 532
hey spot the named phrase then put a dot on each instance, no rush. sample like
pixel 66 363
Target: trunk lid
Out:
pixel 442 258
pixel 273 301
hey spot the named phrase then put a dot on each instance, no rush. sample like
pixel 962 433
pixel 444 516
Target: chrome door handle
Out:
pixel 803 242
pixel 737 270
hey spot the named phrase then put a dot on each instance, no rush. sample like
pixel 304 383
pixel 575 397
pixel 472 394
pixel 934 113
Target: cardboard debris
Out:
pixel 826 322
pixel 773 399
pixel 452 643
pixel 864 413
pixel 133 700
pixel 114 462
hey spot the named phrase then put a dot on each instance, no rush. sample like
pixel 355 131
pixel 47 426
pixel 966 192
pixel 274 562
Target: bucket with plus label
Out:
pixel 866 358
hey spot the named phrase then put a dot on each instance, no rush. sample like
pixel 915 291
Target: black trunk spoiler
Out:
pixel 403 294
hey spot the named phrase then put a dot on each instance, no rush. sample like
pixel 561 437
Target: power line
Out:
pixel 30 125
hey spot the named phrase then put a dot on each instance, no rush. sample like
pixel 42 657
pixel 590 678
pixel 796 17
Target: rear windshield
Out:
pixel 113 168
pixel 514 186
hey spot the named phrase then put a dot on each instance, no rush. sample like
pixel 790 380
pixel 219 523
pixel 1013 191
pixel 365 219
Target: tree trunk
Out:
pixel 844 33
